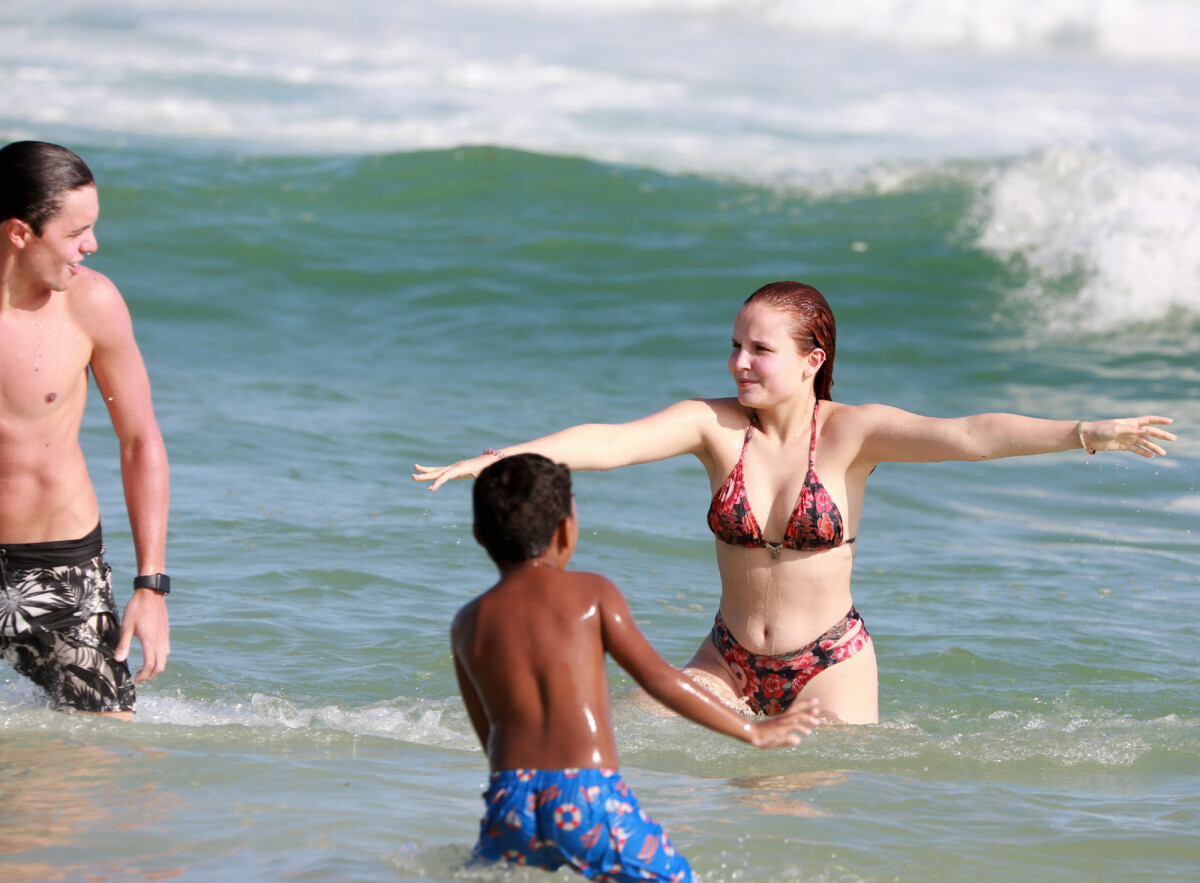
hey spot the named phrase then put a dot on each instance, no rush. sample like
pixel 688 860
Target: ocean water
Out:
pixel 358 237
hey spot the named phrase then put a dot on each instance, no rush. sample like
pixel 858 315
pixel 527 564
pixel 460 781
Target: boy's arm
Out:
pixel 470 698
pixel 626 644
pixel 474 707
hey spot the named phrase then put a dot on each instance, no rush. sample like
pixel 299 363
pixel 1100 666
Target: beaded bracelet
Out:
pixel 1083 442
pixel 499 455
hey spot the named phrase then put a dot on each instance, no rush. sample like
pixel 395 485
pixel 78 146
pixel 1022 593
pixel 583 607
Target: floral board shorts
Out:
pixel 585 818
pixel 59 625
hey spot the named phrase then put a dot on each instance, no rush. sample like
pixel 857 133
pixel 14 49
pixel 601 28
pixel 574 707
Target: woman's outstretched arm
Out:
pixel 679 429
pixel 890 434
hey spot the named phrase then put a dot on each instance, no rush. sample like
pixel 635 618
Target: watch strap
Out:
pixel 160 582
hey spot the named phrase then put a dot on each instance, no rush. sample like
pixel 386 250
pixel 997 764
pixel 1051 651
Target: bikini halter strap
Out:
pixel 812 448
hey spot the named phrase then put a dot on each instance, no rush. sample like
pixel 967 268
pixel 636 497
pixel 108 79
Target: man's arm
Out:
pixel 121 377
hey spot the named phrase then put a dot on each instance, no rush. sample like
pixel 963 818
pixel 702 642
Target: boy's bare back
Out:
pixel 532 651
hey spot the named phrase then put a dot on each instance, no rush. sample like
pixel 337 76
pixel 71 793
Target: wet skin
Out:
pixel 530 659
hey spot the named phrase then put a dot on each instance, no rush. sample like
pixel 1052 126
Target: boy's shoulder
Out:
pixel 546 587
pixel 578 580
pixel 525 598
pixel 465 617
pixel 550 580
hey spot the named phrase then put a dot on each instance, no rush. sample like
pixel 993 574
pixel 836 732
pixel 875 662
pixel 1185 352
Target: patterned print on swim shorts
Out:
pixel 59 627
pixel 585 818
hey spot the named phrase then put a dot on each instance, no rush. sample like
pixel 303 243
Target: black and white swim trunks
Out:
pixel 59 625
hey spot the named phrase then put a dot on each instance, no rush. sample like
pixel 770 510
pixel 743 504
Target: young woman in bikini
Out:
pixel 788 468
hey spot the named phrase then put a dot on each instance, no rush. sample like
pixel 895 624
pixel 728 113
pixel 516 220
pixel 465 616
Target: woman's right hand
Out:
pixel 439 475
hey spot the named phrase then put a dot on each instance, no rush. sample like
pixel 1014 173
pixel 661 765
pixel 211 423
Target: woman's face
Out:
pixel 764 362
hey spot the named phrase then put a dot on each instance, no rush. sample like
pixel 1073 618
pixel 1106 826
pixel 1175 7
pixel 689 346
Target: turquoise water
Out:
pixel 333 278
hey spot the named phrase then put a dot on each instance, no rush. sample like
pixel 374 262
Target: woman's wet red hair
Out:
pixel 812 325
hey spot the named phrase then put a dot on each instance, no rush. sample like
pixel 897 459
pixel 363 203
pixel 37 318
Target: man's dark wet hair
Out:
pixel 34 175
pixel 519 502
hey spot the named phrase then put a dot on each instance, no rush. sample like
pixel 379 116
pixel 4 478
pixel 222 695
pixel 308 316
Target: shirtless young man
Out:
pixel 59 624
pixel 529 656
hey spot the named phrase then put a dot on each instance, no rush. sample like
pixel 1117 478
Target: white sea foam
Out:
pixel 1141 29
pixel 767 90
pixel 1104 243
pixel 419 722
pixel 1089 135
pixel 440 723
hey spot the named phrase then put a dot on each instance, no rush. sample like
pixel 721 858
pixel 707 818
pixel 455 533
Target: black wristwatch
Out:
pixel 160 582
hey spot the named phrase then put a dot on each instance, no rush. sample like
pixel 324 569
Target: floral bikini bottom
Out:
pixel 772 683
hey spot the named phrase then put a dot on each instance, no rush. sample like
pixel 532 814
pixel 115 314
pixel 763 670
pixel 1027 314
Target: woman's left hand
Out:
pixel 1136 434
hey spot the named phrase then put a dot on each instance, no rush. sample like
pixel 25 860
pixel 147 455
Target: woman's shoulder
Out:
pixel 709 413
pixel 857 424
pixel 721 416
pixel 717 424
pixel 724 410
pixel 842 412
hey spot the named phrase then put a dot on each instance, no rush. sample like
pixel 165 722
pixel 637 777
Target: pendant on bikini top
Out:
pixel 776 549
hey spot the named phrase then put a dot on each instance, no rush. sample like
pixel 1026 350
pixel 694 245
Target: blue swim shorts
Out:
pixel 586 818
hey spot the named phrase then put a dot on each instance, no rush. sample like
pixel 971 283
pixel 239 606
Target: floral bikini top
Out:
pixel 815 525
